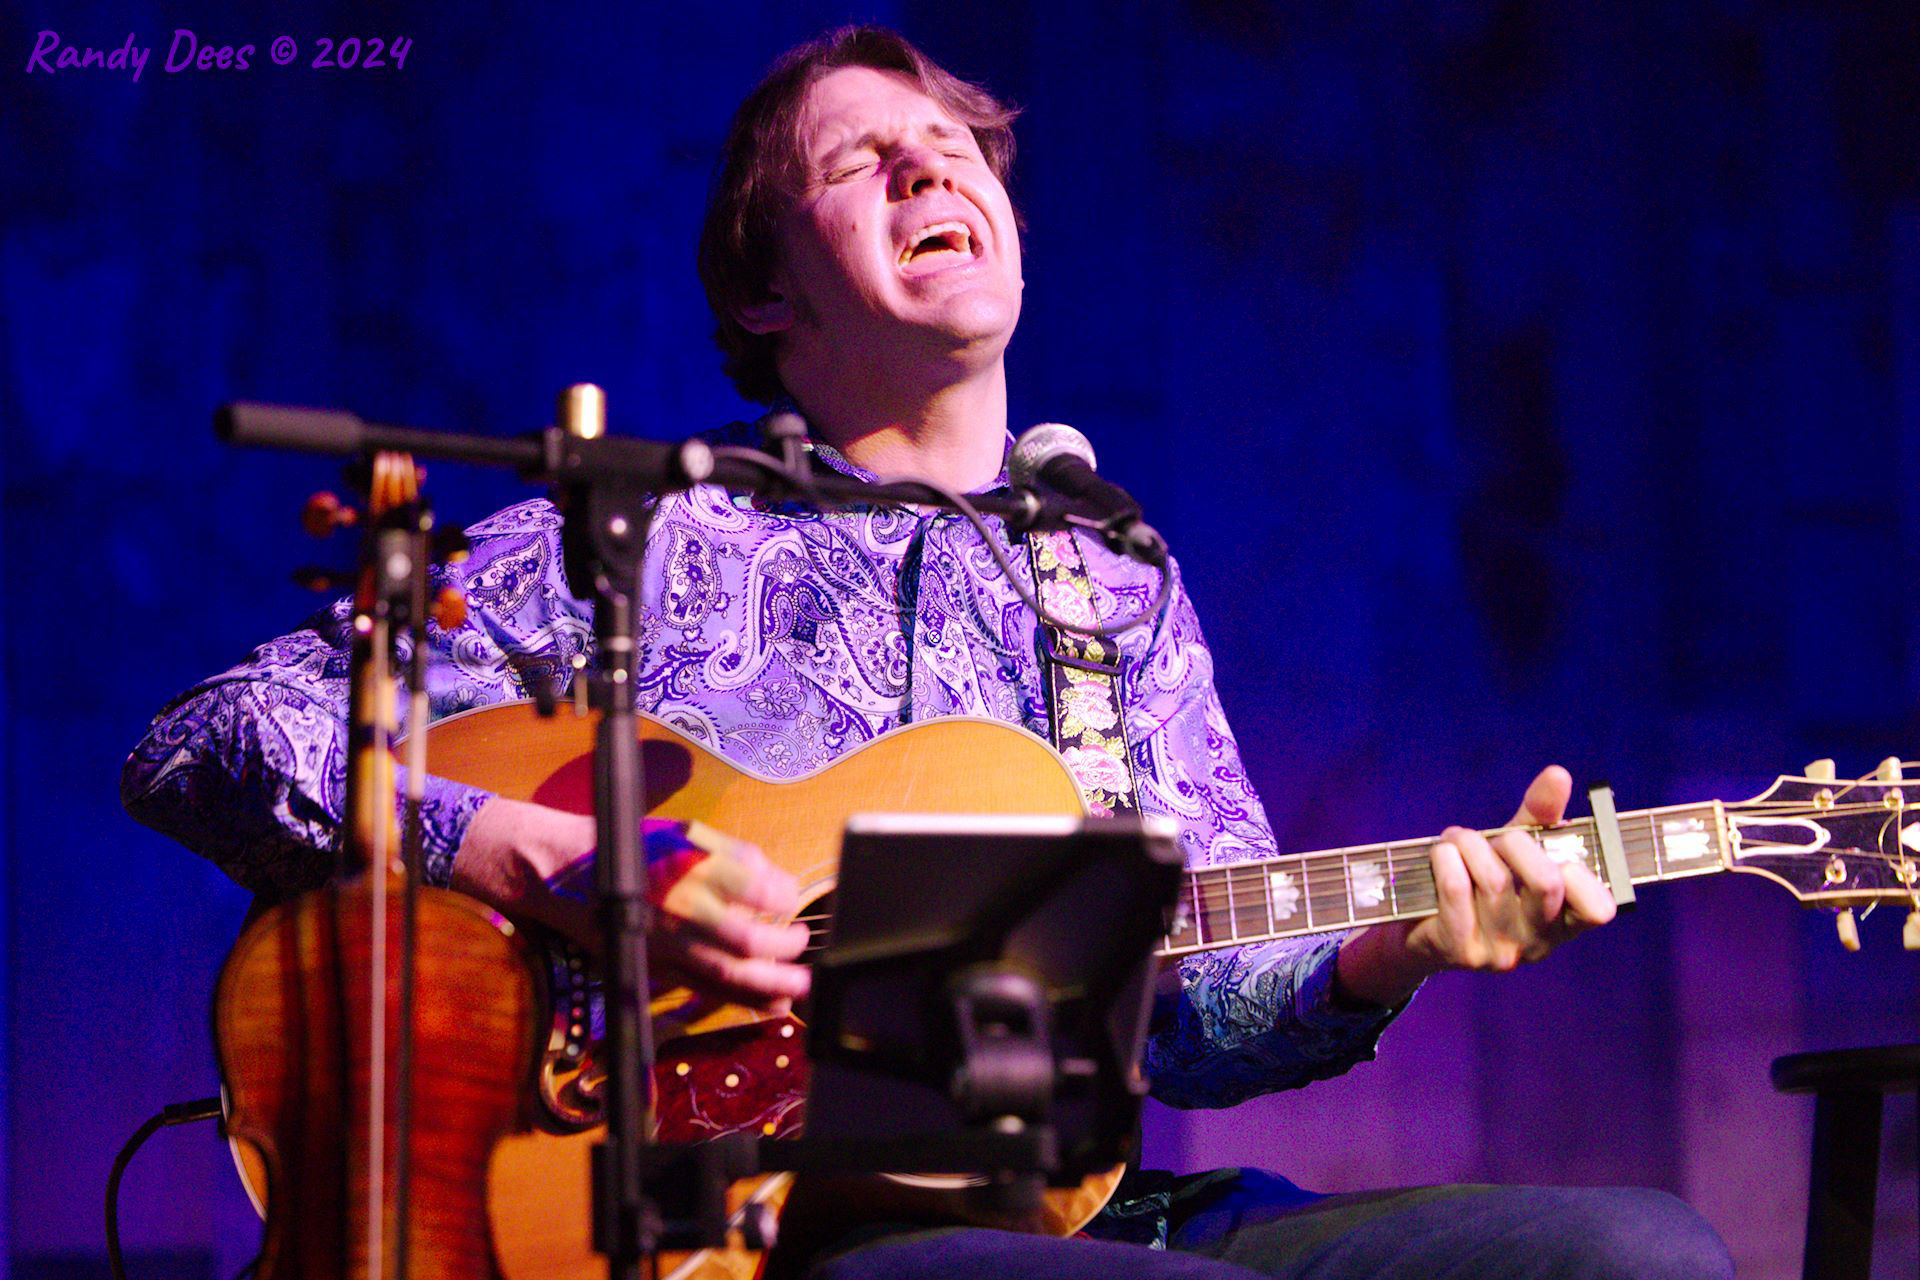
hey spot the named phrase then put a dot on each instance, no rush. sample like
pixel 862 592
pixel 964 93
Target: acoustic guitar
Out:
pixel 723 1068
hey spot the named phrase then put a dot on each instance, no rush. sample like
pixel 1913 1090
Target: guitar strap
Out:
pixel 1082 679
pixel 1089 726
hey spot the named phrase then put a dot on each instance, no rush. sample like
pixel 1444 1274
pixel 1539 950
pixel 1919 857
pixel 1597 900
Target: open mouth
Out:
pixel 938 245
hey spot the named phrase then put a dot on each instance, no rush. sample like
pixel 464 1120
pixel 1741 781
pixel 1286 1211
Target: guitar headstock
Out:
pixel 1836 842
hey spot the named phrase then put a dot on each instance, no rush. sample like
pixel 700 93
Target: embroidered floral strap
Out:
pixel 1083 679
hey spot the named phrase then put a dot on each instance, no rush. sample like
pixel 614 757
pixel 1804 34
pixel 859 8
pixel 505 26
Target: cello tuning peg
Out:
pixel 449 609
pixel 450 546
pixel 1889 770
pixel 1910 936
pixel 1820 771
pixel 1850 929
pixel 316 578
pixel 325 513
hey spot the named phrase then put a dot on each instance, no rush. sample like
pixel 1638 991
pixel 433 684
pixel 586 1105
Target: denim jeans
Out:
pixel 1255 1224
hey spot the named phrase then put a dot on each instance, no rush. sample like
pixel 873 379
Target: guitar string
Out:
pixel 1322 867
pixel 1325 921
pixel 1217 886
pixel 1210 880
pixel 1330 905
pixel 1645 846
pixel 1207 878
pixel 1413 854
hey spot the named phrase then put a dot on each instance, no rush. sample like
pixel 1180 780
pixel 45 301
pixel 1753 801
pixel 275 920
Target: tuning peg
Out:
pixel 449 608
pixel 1849 929
pixel 1889 770
pixel 316 578
pixel 449 546
pixel 1910 936
pixel 1819 771
pixel 325 513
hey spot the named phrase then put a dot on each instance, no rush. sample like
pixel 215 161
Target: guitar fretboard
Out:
pixel 1305 893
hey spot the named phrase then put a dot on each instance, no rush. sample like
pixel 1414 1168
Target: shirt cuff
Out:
pixel 1317 1002
pixel 446 810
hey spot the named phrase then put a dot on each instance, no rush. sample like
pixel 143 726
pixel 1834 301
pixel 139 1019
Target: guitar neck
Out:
pixel 1298 894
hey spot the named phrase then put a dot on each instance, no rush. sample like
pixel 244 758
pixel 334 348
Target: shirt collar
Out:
pixel 834 460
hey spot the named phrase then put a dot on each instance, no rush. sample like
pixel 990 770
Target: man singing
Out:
pixel 863 262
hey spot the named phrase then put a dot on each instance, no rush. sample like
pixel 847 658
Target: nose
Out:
pixel 917 168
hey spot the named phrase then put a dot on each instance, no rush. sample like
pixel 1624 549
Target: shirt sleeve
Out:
pixel 1246 1020
pixel 249 768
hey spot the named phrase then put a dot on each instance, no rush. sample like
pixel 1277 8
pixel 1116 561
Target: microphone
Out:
pixel 1056 456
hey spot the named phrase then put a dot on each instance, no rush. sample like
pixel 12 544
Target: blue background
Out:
pixel 1517 382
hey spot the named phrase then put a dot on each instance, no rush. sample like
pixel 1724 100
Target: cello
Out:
pixel 374 1036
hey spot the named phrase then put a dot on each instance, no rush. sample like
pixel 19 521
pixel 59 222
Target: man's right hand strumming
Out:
pixel 721 909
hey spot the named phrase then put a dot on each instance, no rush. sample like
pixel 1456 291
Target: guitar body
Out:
pixel 723 1068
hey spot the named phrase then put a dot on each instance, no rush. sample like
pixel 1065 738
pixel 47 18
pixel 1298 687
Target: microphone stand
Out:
pixel 605 488
pixel 603 540
pixel 556 458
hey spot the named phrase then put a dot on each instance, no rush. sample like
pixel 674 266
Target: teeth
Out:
pixel 957 230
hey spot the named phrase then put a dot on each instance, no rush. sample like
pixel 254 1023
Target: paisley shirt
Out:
pixel 782 638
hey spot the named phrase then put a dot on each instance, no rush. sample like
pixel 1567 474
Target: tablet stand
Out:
pixel 992 1027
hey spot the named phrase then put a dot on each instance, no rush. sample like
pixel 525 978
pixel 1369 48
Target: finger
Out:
pixel 677 971
pixel 1492 880
pixel 1589 901
pixel 743 935
pixel 720 887
pixel 1546 799
pixel 743 980
pixel 1543 886
pixel 768 889
pixel 741 872
pixel 696 899
pixel 1453 896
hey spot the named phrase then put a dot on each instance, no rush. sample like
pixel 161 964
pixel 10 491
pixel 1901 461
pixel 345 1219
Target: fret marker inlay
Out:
pixel 1369 884
pixel 1685 840
pixel 1286 894
pixel 1564 846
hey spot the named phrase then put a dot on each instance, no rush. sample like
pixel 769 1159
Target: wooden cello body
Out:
pixel 374 1037
pixel 293 1022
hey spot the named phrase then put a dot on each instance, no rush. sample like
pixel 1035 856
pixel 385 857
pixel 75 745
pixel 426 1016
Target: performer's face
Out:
pixel 904 239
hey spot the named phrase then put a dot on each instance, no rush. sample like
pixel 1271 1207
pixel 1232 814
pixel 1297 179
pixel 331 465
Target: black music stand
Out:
pixel 991 974
pixel 980 1008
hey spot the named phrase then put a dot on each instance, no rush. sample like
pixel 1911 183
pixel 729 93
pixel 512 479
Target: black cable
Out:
pixel 1032 599
pixel 176 1113
pixel 966 510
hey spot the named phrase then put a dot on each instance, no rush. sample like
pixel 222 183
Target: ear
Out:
pixel 771 314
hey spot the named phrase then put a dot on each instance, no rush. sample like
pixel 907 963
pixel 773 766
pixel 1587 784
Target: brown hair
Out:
pixel 761 169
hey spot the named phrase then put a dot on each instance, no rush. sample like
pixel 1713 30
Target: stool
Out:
pixel 1849 1084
